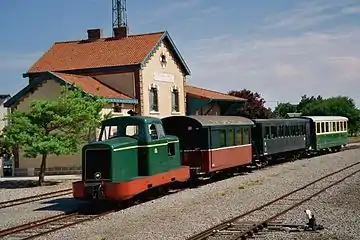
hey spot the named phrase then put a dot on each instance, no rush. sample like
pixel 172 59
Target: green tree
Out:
pixel 282 109
pixel 57 127
pixel 5 148
pixel 305 100
pixel 254 107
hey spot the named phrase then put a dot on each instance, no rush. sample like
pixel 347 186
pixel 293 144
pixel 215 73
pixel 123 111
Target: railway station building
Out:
pixel 144 73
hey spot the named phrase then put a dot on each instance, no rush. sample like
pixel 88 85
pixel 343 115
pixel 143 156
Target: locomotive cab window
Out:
pixel 108 132
pixel 171 149
pixel 132 130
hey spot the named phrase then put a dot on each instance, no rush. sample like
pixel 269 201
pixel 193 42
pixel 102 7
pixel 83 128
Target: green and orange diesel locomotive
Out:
pixel 136 154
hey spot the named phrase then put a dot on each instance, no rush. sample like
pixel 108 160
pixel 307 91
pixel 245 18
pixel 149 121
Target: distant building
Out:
pixel 4 111
pixel 202 101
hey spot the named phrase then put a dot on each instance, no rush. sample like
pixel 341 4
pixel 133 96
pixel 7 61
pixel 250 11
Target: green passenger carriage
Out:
pixel 328 132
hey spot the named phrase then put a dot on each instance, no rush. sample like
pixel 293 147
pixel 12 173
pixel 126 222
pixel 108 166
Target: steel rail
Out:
pixel 34 198
pixel 226 224
pixel 51 224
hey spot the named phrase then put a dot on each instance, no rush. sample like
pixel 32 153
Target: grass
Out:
pixel 250 183
pixel 354 139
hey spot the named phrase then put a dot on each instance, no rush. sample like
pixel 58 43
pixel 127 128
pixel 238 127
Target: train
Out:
pixel 135 155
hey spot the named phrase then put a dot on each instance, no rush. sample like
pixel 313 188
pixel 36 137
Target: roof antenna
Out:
pixel 119 15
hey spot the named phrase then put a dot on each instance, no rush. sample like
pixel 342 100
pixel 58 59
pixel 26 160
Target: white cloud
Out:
pixel 20 61
pixel 307 14
pixel 280 68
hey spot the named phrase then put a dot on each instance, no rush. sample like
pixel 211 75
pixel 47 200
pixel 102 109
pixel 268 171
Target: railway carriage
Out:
pixel 328 132
pixel 209 144
pixel 133 155
pixel 279 138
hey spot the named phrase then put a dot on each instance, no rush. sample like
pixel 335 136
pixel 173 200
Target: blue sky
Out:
pixel 280 48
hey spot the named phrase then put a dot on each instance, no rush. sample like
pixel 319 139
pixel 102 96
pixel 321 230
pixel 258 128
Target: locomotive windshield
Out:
pixel 108 132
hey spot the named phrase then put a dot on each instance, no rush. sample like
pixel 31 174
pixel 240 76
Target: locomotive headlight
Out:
pixel 97 175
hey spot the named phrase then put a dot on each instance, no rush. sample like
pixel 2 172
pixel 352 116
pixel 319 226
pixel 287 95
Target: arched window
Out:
pixel 175 100
pixel 153 99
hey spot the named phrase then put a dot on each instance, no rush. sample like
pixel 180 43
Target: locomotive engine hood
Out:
pixel 115 143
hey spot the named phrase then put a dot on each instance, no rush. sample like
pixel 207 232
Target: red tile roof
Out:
pixel 209 94
pixel 91 85
pixel 105 52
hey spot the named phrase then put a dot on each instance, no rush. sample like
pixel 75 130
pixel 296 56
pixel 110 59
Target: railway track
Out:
pixel 54 223
pixel 34 198
pixel 248 224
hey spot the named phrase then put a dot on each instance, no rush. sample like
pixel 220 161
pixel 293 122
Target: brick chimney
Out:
pixel 94 34
pixel 120 32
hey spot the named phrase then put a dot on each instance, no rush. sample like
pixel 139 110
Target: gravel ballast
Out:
pixel 180 215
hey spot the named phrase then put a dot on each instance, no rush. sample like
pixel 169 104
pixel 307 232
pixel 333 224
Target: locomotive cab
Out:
pixel 131 149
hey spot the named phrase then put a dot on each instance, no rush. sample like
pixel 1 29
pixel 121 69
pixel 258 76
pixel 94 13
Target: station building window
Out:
pixel 153 99
pixel 175 100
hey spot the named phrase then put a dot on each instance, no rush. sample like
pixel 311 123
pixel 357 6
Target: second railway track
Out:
pixel 19 201
pixel 250 223
pixel 51 224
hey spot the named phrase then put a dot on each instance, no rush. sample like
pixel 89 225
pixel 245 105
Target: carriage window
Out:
pixel 341 126
pixel 345 126
pixel 239 140
pixel 231 137
pixel 267 132
pixel 337 126
pixel 281 131
pixel 222 140
pixel 287 131
pixel 318 128
pixel 274 133
pixel 326 127
pixel 246 136
pixel 334 126
pixel 322 127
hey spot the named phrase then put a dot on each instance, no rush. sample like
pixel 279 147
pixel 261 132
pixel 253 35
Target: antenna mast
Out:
pixel 119 15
